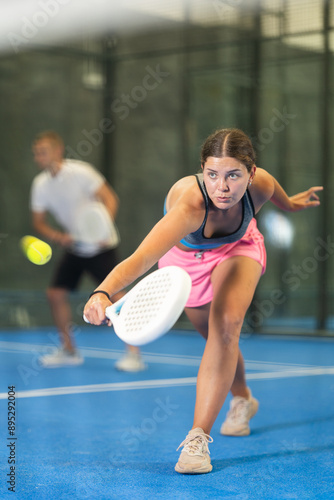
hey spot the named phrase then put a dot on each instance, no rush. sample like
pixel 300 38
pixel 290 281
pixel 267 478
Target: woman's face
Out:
pixel 226 180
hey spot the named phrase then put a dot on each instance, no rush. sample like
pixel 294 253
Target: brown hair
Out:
pixel 229 142
pixel 51 136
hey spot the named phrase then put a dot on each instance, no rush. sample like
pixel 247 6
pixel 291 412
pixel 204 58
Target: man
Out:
pixel 62 189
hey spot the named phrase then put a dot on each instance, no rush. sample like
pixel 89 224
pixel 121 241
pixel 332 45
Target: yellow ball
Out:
pixel 37 251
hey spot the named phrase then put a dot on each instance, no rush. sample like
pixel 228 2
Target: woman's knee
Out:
pixel 227 325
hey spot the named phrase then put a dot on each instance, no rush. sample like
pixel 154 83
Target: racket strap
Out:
pixel 100 291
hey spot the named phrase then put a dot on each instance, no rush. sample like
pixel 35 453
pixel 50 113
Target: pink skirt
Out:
pixel 200 264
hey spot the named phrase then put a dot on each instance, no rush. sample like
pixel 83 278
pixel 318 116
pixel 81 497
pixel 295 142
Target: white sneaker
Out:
pixel 195 456
pixel 131 362
pixel 239 415
pixel 61 357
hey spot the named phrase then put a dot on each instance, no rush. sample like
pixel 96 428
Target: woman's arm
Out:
pixel 265 187
pixel 184 217
pixel 299 201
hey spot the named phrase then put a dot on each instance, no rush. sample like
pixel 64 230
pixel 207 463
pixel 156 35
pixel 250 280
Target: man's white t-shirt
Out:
pixel 64 194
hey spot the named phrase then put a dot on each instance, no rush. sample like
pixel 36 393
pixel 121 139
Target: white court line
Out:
pixel 116 386
pixel 298 372
pixel 101 353
pixel 169 359
pixel 161 383
pixel 269 371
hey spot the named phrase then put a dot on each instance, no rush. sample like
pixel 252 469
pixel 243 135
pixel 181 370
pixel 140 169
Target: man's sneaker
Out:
pixel 61 357
pixel 239 415
pixel 195 456
pixel 131 362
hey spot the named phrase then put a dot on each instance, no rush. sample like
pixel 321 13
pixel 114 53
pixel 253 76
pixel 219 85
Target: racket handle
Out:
pixel 86 320
pixel 112 311
pixel 109 314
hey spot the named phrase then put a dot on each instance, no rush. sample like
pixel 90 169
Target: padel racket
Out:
pixel 151 307
pixel 93 225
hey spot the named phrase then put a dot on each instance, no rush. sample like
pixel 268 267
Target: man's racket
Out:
pixel 151 307
pixel 93 225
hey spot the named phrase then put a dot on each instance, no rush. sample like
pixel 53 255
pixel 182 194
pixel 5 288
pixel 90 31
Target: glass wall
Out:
pixel 267 70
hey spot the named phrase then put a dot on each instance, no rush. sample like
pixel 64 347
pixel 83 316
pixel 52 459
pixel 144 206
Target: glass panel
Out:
pixel 214 64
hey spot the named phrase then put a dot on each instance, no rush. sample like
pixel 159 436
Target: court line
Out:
pixel 95 388
pixel 161 383
pixel 101 353
pixel 298 372
pixel 173 359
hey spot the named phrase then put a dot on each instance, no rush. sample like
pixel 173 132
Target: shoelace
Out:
pixel 239 410
pixel 194 443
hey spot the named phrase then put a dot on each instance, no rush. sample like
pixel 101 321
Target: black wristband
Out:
pixel 100 291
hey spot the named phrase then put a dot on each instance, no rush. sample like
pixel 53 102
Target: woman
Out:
pixel 209 229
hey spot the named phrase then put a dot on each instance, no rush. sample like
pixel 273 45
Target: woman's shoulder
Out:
pixel 184 183
pixel 187 191
pixel 262 188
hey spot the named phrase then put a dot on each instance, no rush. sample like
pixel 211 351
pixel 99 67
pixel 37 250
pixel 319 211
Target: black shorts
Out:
pixel 72 267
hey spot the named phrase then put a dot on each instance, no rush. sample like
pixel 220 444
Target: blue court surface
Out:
pixel 91 432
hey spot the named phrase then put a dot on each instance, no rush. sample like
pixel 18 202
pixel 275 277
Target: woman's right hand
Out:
pixel 95 308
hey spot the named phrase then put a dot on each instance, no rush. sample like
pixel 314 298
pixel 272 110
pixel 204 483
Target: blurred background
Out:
pixel 135 88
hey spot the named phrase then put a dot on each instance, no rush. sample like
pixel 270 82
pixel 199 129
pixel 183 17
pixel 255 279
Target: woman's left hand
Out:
pixel 306 199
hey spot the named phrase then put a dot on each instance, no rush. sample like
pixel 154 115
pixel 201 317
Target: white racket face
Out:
pixel 152 307
pixel 94 225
